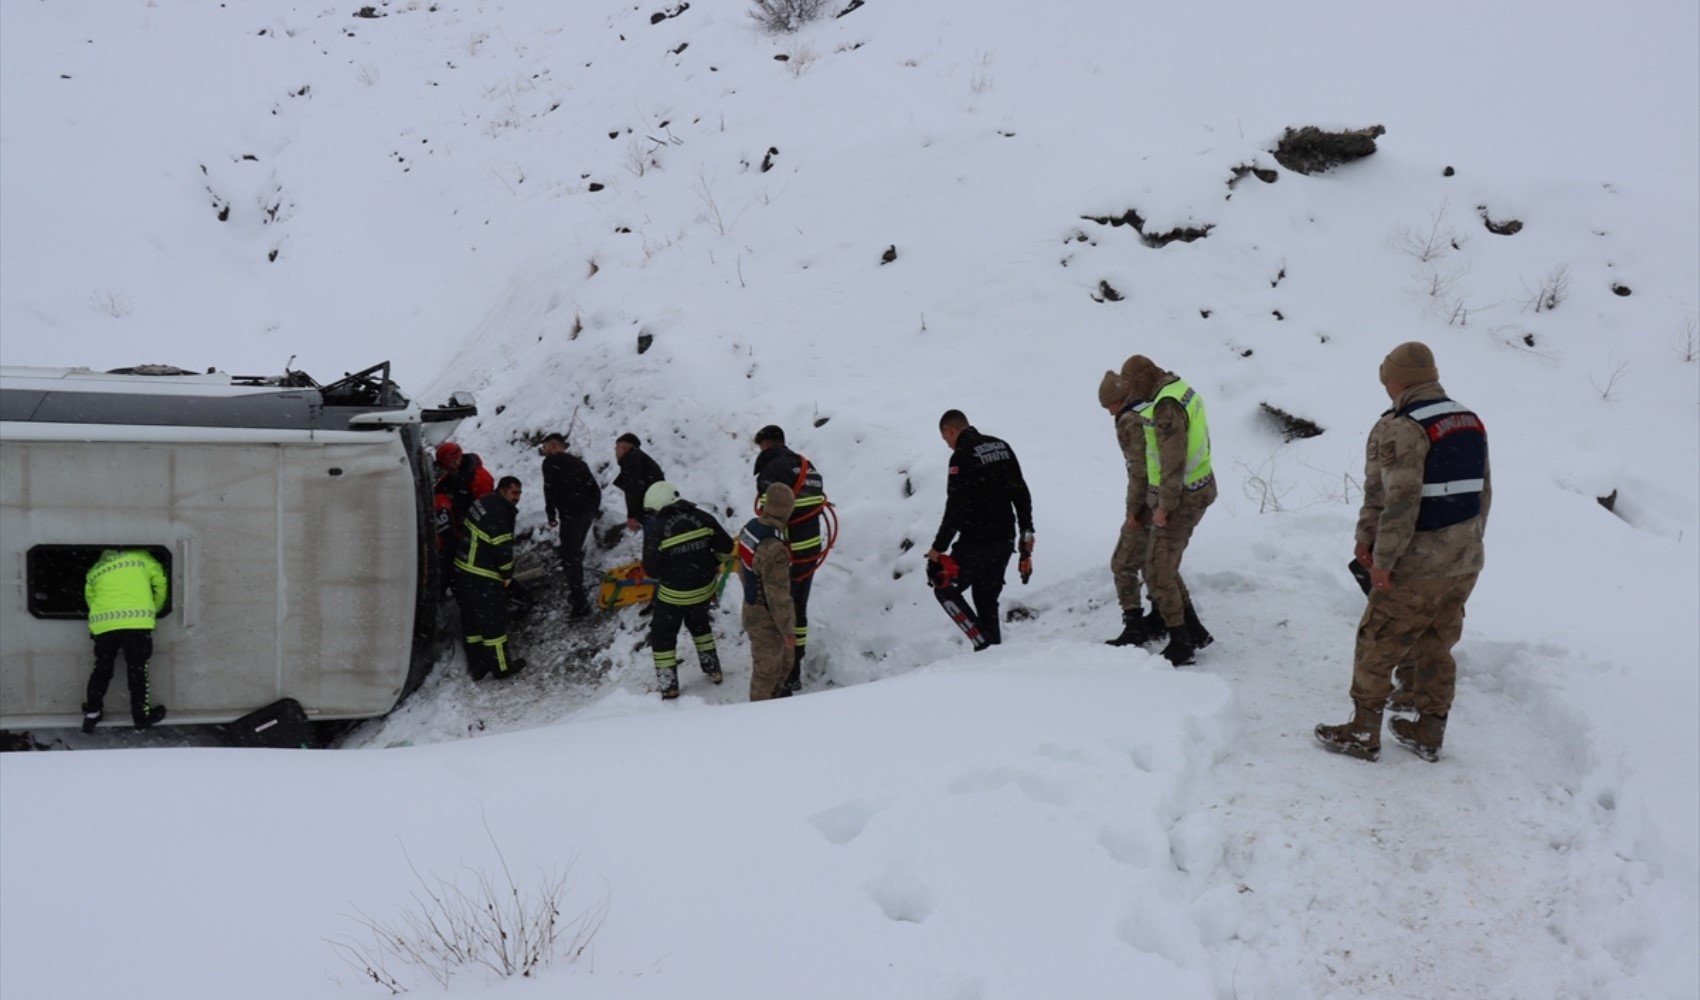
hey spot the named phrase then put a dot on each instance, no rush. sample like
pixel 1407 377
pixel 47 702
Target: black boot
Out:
pixel 92 717
pixel 1134 630
pixel 1200 636
pixel 155 716
pixel 1180 649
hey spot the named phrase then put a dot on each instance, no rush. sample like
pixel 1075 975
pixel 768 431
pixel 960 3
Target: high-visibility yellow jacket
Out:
pixel 124 589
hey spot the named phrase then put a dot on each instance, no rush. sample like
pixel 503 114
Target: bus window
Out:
pixel 56 574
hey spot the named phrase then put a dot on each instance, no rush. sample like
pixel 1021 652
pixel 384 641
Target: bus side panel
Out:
pixel 350 572
pixel 214 506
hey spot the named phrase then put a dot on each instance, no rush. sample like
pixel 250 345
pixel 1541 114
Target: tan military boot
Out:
pixel 1421 736
pixel 1360 738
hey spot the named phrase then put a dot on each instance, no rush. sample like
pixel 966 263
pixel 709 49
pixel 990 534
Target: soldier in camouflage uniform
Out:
pixel 1427 491
pixel 1127 562
pixel 1180 487
pixel 770 616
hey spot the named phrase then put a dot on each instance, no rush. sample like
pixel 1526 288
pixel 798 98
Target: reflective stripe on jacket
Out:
pixel 1455 468
pixel 487 539
pixel 124 590
pixel 682 549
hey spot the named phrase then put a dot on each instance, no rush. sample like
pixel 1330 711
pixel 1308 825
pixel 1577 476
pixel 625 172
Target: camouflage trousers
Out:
pixel 1127 563
pixel 770 660
pixel 1168 544
pixel 1416 624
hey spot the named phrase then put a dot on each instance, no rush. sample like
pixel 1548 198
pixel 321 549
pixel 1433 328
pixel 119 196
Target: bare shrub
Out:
pixel 1552 290
pixel 1429 243
pixel 980 79
pixel 1262 486
pixel 1686 343
pixel 641 157
pixel 802 57
pixel 114 304
pixel 781 17
pixel 1612 386
pixel 496 923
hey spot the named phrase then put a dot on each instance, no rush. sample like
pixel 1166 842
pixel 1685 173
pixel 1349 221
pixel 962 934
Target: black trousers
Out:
pixel 483 623
pixel 980 570
pixel 137 647
pixel 800 604
pixel 664 623
pixel 573 532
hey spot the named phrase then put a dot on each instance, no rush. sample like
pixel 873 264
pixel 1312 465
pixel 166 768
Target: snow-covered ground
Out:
pixel 507 196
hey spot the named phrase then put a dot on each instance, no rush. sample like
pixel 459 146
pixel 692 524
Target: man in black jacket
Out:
pixel 776 463
pixel 985 500
pixel 638 472
pixel 484 568
pixel 683 549
pixel 571 500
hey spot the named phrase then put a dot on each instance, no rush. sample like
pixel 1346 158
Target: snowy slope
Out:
pixel 425 179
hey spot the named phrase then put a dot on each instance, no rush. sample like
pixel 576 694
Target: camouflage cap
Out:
pixel 1112 390
pixel 779 501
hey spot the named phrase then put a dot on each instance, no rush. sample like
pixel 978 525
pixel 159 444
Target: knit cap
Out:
pixel 1411 363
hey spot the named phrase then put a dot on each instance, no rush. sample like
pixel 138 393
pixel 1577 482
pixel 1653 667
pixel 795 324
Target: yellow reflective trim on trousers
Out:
pixel 806 544
pixel 689 536
pixel 668 595
pixel 808 501
pixel 703 642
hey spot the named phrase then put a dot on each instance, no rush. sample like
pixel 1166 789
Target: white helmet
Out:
pixel 660 495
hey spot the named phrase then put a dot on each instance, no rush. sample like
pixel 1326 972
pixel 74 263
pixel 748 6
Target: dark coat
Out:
pixel 569 490
pixel 638 472
pixel 986 497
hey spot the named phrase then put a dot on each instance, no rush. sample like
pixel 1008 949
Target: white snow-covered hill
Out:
pixel 605 217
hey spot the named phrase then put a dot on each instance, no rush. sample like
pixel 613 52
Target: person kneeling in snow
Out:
pixel 764 564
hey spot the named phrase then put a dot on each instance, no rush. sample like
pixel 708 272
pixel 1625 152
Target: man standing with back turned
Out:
pixel 776 463
pixel 571 500
pixel 1426 495
pixel 985 499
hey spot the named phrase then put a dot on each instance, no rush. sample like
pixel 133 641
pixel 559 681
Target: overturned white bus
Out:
pixel 293 520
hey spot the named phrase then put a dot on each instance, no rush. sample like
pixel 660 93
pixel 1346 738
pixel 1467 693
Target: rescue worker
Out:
pixel 764 567
pixel 986 498
pixel 1127 562
pixel 638 472
pixel 1427 490
pixel 485 568
pixel 461 479
pixel 125 591
pixel 1180 487
pixel 572 499
pixel 776 463
pixel 683 548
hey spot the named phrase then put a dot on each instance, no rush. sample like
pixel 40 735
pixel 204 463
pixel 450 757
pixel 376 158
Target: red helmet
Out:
pixel 448 454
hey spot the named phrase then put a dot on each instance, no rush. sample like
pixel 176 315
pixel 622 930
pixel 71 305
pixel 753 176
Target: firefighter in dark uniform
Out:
pixel 683 549
pixel 778 464
pixel 571 500
pixel 638 472
pixel 985 501
pixel 484 568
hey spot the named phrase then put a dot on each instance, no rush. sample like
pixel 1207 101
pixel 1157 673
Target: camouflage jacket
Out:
pixel 1393 486
pixel 1130 434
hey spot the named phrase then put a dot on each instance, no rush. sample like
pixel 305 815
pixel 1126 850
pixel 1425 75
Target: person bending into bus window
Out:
pixel 125 590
